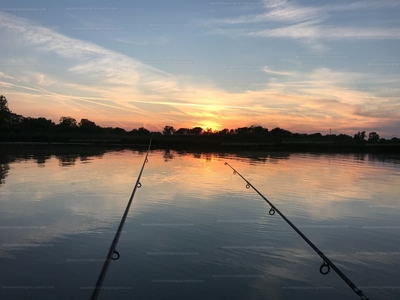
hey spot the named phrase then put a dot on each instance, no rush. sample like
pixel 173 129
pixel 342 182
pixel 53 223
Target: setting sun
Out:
pixel 210 124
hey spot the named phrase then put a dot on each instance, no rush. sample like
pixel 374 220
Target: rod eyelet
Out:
pixel 272 211
pixel 324 266
pixel 115 258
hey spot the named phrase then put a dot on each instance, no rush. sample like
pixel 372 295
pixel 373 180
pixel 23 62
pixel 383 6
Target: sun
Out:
pixel 210 124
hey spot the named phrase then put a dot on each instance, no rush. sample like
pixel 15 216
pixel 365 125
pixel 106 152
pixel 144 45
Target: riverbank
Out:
pixel 205 143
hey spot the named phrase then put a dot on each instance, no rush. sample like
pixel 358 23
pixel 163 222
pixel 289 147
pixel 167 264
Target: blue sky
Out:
pixel 306 66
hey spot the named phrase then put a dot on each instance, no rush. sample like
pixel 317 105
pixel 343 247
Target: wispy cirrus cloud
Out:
pixel 317 23
pixel 285 11
pixel 310 30
pixel 269 70
pixel 101 73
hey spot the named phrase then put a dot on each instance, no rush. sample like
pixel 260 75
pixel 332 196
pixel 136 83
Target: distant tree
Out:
pixel 196 130
pixel 86 125
pixel 243 130
pixel 373 137
pixel 344 137
pixel 4 111
pixel 259 130
pixel 224 131
pixel 316 135
pixel 4 104
pixel 118 130
pixel 14 119
pixel 208 131
pixel 279 132
pixel 30 124
pixel 41 123
pixel 360 136
pixel 168 130
pixel 182 131
pixel 67 122
pixel 143 131
pixel 395 139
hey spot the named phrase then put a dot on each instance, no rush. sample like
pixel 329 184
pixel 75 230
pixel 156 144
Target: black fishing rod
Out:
pixel 327 264
pixel 112 250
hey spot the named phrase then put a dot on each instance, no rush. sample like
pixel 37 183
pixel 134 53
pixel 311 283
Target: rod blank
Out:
pixel 112 252
pixel 327 263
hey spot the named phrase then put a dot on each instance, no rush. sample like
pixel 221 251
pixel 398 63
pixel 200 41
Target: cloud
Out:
pixel 286 19
pixel 310 31
pixel 161 40
pixel 103 72
pixel 268 70
pixel 284 11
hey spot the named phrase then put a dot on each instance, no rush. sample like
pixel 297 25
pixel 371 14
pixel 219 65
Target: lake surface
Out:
pixel 194 231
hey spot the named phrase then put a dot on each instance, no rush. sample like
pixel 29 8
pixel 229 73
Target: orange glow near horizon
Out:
pixel 208 107
pixel 312 116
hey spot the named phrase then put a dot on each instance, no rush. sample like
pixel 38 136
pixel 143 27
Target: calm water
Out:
pixel 194 231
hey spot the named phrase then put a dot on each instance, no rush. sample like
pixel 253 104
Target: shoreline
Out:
pixel 210 146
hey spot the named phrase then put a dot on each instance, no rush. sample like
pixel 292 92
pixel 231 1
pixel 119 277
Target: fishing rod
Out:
pixel 327 264
pixel 112 250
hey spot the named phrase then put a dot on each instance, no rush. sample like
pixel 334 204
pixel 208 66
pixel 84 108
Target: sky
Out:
pixel 305 66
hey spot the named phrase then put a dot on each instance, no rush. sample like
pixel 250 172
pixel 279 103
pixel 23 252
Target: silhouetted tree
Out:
pixel 208 131
pixel 243 130
pixel 373 137
pixel 343 137
pixel 182 131
pixel 279 132
pixel 224 131
pixel 143 131
pixel 67 122
pixel 86 125
pixel 196 130
pixel 14 119
pixel 359 136
pixel 168 130
pixel 4 111
pixel 118 130
pixel 259 130
pixel 38 124
pixel 316 135
pixel 4 104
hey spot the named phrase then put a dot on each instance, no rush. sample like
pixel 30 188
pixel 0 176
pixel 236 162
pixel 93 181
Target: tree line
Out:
pixel 14 124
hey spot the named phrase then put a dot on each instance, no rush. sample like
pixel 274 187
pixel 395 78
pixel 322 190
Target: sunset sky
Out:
pixel 305 66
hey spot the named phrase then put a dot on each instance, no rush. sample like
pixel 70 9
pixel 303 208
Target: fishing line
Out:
pixel 327 264
pixel 112 253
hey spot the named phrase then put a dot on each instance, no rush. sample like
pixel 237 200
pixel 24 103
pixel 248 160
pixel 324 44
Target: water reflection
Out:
pixel 168 155
pixel 194 220
pixel 4 168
